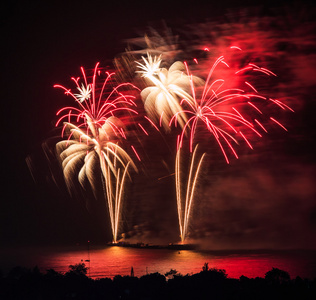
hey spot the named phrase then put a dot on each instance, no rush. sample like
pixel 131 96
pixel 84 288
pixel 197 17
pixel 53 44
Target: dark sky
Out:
pixel 265 199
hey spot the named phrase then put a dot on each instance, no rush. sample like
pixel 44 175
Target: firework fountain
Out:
pixel 95 130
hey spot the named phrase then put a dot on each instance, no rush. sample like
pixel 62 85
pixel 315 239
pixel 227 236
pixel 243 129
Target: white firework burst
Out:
pixel 85 93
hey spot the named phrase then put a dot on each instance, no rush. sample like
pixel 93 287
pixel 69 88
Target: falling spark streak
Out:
pixel 152 123
pixel 250 146
pixel 261 125
pixel 255 107
pixel 142 128
pixel 95 137
pixel 235 47
pixel 251 86
pixel 184 212
pixel 283 106
pixel 277 122
pixel 135 152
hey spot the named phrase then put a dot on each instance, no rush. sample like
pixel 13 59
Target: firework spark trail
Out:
pixel 95 137
pixel 184 214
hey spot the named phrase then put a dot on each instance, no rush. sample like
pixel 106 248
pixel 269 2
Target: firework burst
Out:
pixel 168 87
pixel 95 130
pixel 216 107
pixel 225 112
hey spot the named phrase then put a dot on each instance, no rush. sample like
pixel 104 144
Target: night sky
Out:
pixel 265 199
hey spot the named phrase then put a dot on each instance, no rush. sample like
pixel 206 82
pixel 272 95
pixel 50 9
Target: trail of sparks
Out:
pixel 185 205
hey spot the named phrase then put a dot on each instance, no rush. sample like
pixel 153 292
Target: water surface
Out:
pixel 111 261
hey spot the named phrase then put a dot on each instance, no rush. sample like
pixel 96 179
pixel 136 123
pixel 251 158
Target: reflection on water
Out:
pixel 111 261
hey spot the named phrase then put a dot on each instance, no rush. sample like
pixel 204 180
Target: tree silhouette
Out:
pixel 78 269
pixel 277 276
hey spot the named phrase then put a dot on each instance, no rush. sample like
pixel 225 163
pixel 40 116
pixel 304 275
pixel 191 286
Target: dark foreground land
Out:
pixel 22 283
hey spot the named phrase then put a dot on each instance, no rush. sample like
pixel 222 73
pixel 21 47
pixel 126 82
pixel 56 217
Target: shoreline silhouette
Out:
pixel 209 283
